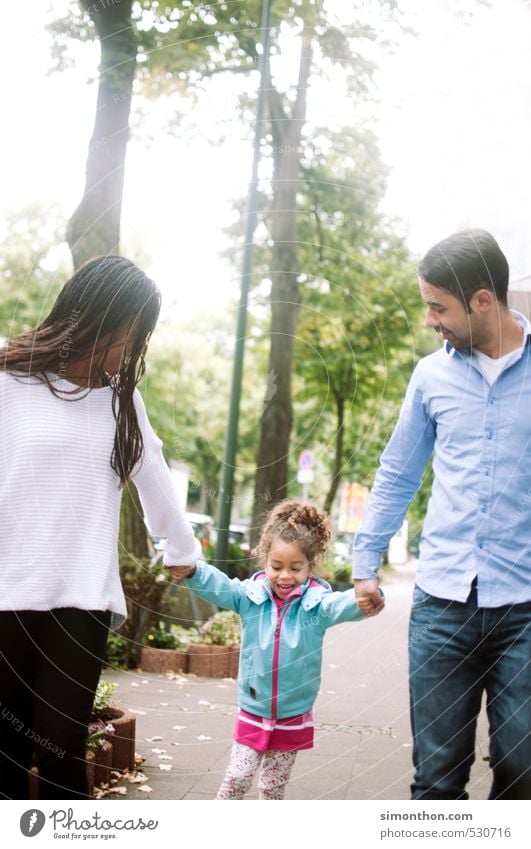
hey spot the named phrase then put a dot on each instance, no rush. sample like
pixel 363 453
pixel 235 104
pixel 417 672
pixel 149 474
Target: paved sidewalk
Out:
pixel 362 741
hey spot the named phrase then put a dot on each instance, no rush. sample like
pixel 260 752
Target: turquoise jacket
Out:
pixel 281 650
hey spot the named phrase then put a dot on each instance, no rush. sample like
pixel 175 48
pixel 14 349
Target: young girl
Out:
pixel 73 432
pixel 285 610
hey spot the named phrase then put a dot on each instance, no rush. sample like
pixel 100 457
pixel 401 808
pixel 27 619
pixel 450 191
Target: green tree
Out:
pixel 28 253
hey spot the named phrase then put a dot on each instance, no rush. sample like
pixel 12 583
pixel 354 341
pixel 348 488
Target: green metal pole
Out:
pixel 229 460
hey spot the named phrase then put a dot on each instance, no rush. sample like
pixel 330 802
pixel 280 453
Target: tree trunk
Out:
pixel 271 481
pixel 94 228
pixel 133 533
pixel 338 459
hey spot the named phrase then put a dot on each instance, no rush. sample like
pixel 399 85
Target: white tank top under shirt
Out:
pixel 492 368
pixel 60 499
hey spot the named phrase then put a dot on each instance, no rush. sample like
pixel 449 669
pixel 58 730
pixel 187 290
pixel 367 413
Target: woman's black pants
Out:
pixel 50 664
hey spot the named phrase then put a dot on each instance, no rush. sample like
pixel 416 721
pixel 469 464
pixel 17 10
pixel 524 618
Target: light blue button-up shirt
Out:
pixel 478 520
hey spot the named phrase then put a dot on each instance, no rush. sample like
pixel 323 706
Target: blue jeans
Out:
pixel 456 651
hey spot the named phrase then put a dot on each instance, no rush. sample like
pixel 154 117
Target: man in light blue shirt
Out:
pixel 468 404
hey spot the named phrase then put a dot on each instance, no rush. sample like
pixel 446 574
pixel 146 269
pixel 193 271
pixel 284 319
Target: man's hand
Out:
pixel 178 573
pixel 368 597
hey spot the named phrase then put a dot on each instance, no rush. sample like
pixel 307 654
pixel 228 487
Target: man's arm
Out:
pixel 399 477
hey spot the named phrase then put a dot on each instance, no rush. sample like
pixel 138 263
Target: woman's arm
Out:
pixel 164 514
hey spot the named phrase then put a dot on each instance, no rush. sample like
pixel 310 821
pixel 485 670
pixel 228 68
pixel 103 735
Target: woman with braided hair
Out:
pixel 285 610
pixel 73 432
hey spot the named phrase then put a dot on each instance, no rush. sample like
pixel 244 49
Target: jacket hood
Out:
pixel 312 591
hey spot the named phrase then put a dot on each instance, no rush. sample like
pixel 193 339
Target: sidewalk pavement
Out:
pixel 362 735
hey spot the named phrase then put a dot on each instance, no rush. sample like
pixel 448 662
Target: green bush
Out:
pixel 237 565
pixel 144 586
pixel 116 651
pixel 222 629
pixel 159 638
pixel 102 700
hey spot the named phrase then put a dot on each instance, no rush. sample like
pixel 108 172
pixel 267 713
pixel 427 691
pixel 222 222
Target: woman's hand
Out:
pixel 178 573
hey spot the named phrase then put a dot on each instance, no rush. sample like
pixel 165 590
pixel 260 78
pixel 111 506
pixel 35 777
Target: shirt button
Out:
pixel 480 545
pixel 491 400
pixel 487 472
pixel 483 508
pixel 490 435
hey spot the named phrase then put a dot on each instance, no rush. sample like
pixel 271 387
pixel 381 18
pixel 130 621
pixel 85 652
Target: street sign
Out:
pixel 306 459
pixel 305 476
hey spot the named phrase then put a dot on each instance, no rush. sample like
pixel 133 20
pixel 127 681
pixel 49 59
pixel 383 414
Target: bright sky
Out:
pixel 454 121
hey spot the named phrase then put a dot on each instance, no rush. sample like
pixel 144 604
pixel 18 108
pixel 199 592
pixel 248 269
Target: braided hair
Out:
pixel 300 522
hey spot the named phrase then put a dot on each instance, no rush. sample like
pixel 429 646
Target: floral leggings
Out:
pixel 275 769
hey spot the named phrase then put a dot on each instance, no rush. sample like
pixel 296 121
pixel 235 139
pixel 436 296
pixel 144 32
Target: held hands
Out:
pixel 178 573
pixel 368 597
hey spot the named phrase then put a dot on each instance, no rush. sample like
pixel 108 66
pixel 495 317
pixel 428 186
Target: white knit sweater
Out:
pixel 60 499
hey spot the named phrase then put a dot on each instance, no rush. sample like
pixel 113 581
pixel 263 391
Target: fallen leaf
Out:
pixel 139 712
pixel 145 681
pixel 158 751
pixel 145 789
pixel 165 767
pixel 137 779
pixel 134 684
pixel 164 704
pixel 120 790
pixel 179 727
pixel 203 702
pixel 152 739
pixel 165 757
pixel 222 686
pixel 204 737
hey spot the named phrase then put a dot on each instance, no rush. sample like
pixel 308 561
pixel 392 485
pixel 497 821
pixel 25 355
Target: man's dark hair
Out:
pixel 465 262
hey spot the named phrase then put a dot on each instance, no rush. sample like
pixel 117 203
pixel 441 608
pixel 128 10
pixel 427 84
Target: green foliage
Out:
pixel 174 637
pixel 144 586
pixel 222 629
pixel 102 699
pixel 237 565
pixel 28 253
pixel 116 651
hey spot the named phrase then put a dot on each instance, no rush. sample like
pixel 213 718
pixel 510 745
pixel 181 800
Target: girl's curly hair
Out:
pixel 300 522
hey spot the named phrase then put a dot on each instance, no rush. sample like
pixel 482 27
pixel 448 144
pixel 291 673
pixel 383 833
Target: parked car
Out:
pixel 239 534
pixel 203 527
pixel 205 530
